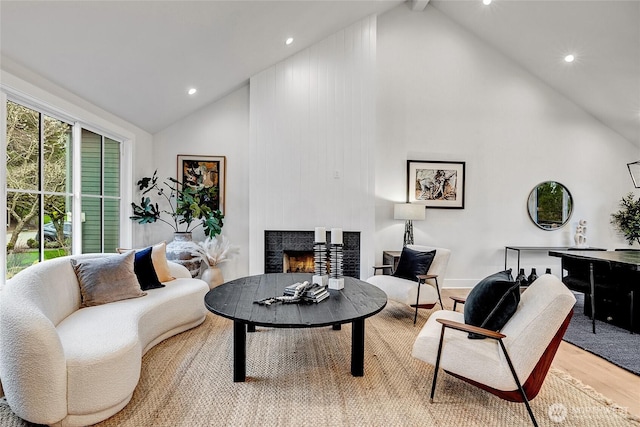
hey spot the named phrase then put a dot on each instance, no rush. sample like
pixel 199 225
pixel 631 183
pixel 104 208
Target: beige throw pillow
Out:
pixel 107 279
pixel 159 259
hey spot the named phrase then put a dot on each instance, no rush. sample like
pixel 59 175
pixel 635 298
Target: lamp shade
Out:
pixel 408 211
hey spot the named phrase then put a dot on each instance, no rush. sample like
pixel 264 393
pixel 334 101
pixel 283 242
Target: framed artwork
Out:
pixel 436 184
pixel 207 171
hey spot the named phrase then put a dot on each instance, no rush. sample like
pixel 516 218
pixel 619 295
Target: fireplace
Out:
pixel 297 262
pixel 280 245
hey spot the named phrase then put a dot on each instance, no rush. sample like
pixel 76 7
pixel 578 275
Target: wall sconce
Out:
pixel 408 212
pixel 634 171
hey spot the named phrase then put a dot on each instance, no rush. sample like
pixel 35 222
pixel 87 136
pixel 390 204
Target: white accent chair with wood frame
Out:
pixel 522 350
pixel 424 290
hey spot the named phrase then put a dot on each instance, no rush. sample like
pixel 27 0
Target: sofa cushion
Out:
pixel 107 279
pixel 413 263
pixel 145 272
pixel 159 259
pixel 492 302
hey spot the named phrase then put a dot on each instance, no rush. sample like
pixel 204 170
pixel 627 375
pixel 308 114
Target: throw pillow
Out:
pixel 107 279
pixel 413 263
pixel 492 302
pixel 159 259
pixel 143 267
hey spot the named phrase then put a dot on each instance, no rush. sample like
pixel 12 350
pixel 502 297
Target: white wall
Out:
pixel 444 95
pixel 312 141
pixel 220 129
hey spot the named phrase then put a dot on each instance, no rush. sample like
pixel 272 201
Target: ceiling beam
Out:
pixel 418 5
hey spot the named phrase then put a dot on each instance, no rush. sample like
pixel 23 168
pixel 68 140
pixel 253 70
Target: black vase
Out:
pixel 548 271
pixel 533 276
pixel 521 278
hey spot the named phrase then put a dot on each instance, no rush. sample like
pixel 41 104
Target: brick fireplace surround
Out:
pixel 276 242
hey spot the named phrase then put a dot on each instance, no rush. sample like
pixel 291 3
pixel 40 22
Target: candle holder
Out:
pixel 336 281
pixel 320 264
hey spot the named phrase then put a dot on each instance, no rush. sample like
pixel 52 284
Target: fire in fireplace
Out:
pixel 297 262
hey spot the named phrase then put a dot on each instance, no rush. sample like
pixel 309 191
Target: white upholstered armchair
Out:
pixel 423 290
pixel 511 364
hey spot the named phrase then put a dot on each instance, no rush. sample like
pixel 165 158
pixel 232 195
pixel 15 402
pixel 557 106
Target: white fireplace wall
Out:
pixel 312 141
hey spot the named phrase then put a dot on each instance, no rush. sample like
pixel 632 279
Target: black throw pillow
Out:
pixel 413 263
pixel 492 302
pixel 145 272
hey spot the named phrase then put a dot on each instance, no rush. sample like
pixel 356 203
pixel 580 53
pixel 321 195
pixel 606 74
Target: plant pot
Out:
pixel 179 251
pixel 213 277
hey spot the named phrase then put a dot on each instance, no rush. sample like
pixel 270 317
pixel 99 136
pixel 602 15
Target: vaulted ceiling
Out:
pixel 137 59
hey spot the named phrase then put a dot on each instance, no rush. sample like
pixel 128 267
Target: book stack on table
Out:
pixel 316 293
pixel 307 292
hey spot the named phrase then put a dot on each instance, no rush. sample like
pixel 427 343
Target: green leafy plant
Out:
pixel 188 205
pixel 627 220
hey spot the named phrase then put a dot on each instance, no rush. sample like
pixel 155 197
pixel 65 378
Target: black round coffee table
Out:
pixel 235 300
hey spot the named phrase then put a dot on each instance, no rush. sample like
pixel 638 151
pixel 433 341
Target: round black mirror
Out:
pixel 550 205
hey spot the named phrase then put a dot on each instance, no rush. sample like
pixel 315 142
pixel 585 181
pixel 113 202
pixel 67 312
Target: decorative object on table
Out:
pixel 522 278
pixel 186 206
pixel 408 212
pixel 320 257
pixel 179 251
pixel 547 271
pixel 436 184
pixel 634 171
pixel 207 172
pixel 336 281
pixel 299 292
pixel 212 252
pixel 580 237
pixel 533 276
pixel 627 220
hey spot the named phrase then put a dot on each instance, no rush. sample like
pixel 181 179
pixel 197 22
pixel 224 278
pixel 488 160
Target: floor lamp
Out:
pixel 408 212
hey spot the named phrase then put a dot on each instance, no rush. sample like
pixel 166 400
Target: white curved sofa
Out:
pixel 62 365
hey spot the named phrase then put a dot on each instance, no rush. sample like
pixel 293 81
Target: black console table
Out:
pixel 519 249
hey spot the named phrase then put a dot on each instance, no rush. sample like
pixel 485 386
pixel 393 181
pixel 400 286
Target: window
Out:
pixel 41 155
pixel 100 193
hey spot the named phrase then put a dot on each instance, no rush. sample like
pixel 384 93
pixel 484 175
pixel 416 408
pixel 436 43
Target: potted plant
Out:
pixel 189 208
pixel 212 252
pixel 627 220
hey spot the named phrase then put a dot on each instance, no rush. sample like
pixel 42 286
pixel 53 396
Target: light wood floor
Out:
pixel 619 385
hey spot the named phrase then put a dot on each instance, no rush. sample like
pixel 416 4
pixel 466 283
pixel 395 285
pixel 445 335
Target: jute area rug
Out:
pixel 301 377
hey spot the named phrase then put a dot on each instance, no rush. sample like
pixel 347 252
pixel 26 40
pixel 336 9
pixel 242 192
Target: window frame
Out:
pixel 126 168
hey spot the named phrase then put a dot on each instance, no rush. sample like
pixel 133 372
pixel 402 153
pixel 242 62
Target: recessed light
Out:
pixel 192 91
pixel 486 2
pixel 569 58
pixel 289 41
